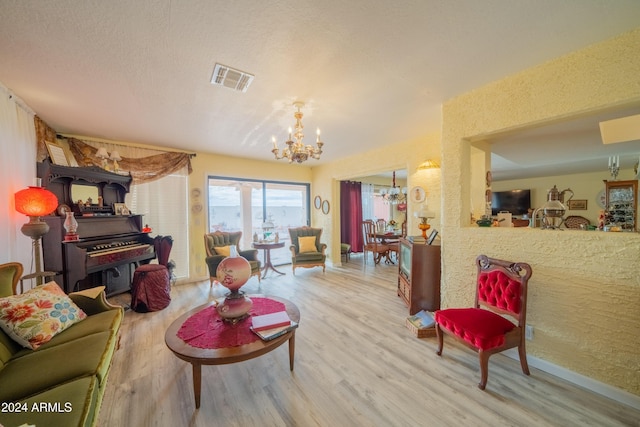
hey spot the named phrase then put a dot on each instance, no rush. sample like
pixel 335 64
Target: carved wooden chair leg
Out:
pixel 484 368
pixel 523 359
pixel 440 339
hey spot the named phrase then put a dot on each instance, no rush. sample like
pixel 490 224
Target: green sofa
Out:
pixel 62 382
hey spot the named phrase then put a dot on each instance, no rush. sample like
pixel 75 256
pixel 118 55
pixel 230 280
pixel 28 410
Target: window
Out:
pixel 381 210
pixel 244 205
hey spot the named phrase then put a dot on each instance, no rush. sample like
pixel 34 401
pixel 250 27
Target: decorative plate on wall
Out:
pixel 325 207
pixel 317 202
pixel 601 198
pixel 418 194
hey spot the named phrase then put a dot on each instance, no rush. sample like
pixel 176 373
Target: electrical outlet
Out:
pixel 528 332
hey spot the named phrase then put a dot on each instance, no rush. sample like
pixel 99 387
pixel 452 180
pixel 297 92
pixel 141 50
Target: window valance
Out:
pixel 142 169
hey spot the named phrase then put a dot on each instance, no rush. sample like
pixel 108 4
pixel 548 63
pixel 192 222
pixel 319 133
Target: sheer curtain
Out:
pixel 163 203
pixel 367 201
pixel 17 171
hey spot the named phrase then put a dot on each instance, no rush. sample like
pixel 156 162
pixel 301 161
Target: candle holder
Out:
pixel 614 167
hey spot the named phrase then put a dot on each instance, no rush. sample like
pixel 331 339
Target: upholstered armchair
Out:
pixel 10 274
pixel 218 246
pixel 306 249
pixel 497 320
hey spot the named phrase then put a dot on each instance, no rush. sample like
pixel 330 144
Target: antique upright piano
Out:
pixel 111 244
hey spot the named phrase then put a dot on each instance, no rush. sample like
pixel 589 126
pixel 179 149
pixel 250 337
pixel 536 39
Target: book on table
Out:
pixel 422 320
pixel 273 333
pixel 270 321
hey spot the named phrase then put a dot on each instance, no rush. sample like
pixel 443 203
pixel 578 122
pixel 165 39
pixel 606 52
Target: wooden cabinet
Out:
pixel 419 276
pixel 621 204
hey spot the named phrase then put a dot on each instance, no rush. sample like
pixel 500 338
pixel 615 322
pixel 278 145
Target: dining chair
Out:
pixel 371 243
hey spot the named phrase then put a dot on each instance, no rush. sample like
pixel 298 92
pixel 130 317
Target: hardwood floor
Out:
pixel 356 365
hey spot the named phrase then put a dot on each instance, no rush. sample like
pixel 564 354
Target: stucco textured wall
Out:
pixel 585 290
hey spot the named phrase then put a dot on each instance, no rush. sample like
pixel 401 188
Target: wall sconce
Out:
pixel 429 164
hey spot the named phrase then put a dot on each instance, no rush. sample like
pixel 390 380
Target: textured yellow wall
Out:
pixel 585 290
pixel 205 165
pixel 402 155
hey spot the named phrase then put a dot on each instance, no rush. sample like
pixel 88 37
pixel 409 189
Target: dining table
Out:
pixel 388 238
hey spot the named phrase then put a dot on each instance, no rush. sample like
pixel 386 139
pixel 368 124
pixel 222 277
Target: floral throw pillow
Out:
pixel 34 317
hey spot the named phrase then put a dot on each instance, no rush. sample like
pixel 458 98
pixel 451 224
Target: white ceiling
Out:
pixel 372 72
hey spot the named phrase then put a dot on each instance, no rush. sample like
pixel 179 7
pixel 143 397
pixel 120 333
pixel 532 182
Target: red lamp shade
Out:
pixel 36 201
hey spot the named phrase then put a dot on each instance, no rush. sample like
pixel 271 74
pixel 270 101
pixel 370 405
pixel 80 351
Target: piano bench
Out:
pixel 151 288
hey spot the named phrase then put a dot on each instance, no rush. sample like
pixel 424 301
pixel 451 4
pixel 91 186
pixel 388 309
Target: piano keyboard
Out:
pixel 109 249
pixel 117 254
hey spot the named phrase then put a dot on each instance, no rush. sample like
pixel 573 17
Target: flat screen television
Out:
pixel 518 202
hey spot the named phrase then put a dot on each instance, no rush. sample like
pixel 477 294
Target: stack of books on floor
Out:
pixel 273 325
pixel 422 324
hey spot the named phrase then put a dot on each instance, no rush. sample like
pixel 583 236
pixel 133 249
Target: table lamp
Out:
pixel 115 156
pixel 424 214
pixel 35 202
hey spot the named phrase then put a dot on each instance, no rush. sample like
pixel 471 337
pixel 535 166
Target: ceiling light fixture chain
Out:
pixel 297 151
pixel 394 195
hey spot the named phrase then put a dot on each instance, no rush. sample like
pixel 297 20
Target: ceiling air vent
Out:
pixel 231 78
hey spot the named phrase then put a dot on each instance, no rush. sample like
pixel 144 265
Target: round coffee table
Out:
pixel 220 356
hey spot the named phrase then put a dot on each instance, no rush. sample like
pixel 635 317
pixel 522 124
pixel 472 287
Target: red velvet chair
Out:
pixel 501 291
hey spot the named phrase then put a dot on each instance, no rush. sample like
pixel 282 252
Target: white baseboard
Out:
pixel 595 386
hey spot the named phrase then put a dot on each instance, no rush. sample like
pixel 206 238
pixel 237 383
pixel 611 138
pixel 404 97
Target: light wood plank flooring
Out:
pixel 356 365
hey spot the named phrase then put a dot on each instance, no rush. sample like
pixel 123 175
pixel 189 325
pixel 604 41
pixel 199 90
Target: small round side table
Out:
pixel 266 247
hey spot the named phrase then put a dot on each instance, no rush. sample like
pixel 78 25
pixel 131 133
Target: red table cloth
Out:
pixel 206 329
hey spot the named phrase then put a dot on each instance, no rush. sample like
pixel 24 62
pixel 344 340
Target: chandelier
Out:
pixel 394 195
pixel 296 151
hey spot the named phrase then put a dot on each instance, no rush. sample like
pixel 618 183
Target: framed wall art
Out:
pixel 577 204
pixel 57 154
pixel 432 236
pixel 120 209
pixel 418 194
